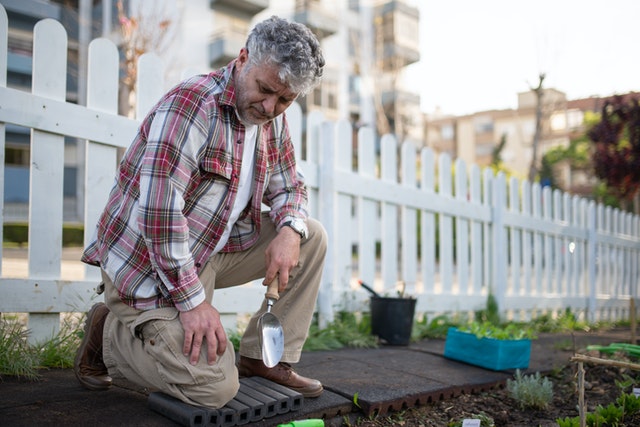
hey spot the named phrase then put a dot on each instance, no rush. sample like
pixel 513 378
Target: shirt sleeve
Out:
pixel 286 190
pixel 175 135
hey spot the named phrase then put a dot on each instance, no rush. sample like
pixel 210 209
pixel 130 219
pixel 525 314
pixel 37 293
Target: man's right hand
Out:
pixel 200 324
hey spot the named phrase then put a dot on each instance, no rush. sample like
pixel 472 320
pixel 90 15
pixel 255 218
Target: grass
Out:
pixel 17 358
pixel 21 359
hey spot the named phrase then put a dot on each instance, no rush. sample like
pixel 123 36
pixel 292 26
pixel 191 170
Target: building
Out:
pixel 366 43
pixel 474 137
pixel 23 15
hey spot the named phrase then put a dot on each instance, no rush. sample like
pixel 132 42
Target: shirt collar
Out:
pixel 228 96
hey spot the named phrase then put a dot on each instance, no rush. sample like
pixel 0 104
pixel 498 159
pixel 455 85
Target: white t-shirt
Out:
pixel 244 185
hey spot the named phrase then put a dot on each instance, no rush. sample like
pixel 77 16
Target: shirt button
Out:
pixel 198 264
pixel 152 342
pixel 239 141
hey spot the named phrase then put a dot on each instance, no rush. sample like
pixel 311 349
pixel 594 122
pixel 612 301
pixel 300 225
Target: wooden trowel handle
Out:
pixel 272 290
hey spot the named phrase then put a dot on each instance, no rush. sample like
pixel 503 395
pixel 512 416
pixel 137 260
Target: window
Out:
pixel 447 132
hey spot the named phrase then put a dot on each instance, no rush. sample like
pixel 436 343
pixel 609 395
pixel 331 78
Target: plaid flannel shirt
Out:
pixel 175 188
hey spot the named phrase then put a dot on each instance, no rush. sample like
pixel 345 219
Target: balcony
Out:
pixel 224 47
pixel 239 8
pixel 320 20
pixel 397 35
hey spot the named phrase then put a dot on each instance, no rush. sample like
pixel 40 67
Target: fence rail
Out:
pixel 448 238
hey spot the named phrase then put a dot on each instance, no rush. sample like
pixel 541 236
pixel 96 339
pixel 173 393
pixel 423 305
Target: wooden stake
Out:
pixel 590 359
pixel 634 322
pixel 582 410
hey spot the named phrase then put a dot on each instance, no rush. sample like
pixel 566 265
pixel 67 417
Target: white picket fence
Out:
pixel 536 250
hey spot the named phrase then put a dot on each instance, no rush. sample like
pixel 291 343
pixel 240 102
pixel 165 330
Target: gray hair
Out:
pixel 292 47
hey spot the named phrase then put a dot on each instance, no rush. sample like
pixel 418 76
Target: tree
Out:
pixel 146 30
pixel 616 147
pixel 496 153
pixel 539 91
pixel 577 155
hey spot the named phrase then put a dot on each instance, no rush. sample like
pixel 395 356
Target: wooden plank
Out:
pixel 367 212
pixel 4 37
pixel 428 222
pixel 462 229
pixel 409 221
pixel 445 225
pixel 343 213
pixel 100 160
pixel 63 118
pixel 389 219
pixel 46 169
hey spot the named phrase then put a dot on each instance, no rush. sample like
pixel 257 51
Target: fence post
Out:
pixel 4 38
pixel 499 241
pixel 327 195
pixel 100 159
pixel 45 174
pixel 592 256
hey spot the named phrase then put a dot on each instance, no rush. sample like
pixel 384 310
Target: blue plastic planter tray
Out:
pixel 488 353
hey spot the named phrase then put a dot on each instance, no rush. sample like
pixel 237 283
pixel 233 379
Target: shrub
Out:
pixel 530 391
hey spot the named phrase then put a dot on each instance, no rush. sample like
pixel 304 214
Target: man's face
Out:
pixel 260 95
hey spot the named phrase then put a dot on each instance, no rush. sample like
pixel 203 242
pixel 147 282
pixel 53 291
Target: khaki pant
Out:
pixel 146 346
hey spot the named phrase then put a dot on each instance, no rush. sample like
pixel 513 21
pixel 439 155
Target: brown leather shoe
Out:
pixel 282 374
pixel 88 365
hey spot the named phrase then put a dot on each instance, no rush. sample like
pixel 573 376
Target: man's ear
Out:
pixel 243 57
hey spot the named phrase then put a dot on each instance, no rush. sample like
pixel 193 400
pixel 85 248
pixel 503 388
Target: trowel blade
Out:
pixel 272 339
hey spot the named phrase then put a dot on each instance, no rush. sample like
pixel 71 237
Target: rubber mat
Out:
pixel 257 399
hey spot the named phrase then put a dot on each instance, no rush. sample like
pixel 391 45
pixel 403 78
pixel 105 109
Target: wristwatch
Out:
pixel 298 226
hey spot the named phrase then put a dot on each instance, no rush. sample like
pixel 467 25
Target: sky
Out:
pixel 478 54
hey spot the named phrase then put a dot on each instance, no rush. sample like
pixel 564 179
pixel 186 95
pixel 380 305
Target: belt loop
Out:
pixel 100 288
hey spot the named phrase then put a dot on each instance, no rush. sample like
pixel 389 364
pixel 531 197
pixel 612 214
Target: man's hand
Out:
pixel 203 324
pixel 281 256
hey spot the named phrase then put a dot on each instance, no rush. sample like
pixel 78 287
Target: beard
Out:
pixel 250 113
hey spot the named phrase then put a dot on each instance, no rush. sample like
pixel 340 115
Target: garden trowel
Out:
pixel 270 330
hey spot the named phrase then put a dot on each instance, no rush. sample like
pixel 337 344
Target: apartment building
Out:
pixel 366 43
pixel 474 137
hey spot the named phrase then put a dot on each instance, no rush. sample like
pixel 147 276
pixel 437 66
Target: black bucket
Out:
pixel 392 319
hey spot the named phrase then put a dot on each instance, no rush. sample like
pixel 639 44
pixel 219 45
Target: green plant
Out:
pixel 612 414
pixel 568 422
pixel 594 419
pixel 565 322
pixel 511 331
pixel 491 314
pixel 629 403
pixel 16 356
pixel 355 399
pixel 531 391
pixel 436 328
pixel 234 338
pixel 60 351
pixel 345 331
pixel 625 383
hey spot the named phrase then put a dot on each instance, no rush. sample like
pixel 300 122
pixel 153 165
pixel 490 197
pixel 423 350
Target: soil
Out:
pixel 600 389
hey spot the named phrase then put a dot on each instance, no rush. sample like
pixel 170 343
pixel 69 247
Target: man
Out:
pixel 184 218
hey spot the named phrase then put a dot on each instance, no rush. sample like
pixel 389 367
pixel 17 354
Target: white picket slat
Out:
pixel 389 219
pixel 4 38
pixel 367 211
pixel 409 221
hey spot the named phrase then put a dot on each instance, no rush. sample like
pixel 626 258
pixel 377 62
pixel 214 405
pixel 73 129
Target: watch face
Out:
pixel 298 225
